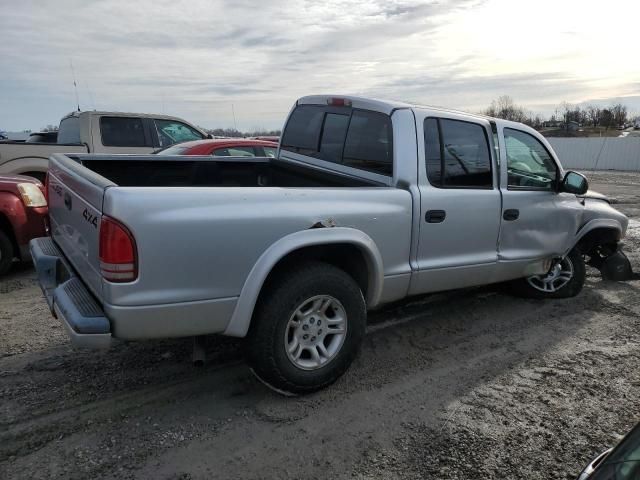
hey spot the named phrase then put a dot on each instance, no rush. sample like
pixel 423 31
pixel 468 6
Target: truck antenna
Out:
pixel 75 85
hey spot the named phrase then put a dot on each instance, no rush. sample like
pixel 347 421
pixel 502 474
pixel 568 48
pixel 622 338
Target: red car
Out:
pixel 23 216
pixel 269 138
pixel 224 147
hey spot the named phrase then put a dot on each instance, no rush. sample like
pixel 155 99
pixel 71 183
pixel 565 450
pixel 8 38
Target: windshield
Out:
pixel 171 131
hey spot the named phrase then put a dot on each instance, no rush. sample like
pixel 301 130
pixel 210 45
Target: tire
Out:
pixel 574 261
pixel 288 306
pixel 6 253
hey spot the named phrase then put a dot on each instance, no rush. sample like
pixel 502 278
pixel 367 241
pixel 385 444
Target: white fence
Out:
pixel 598 153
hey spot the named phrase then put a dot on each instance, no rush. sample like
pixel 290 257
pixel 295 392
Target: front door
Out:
pixel 538 223
pixel 460 204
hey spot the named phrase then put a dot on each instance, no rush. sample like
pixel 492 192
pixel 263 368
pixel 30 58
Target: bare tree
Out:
pixel 504 107
pixel 619 113
pixel 606 118
pixel 593 114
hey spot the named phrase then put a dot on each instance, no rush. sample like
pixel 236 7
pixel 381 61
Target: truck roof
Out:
pixel 388 106
pixel 120 114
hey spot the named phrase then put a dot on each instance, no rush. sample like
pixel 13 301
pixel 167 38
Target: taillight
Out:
pixel 31 195
pixel 339 102
pixel 118 259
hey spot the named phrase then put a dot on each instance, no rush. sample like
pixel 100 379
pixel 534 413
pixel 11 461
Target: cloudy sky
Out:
pixel 203 59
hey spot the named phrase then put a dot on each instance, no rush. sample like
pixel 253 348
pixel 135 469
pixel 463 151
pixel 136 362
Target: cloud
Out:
pixel 196 58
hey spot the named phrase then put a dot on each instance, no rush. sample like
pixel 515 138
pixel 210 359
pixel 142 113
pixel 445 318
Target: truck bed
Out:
pixel 186 234
pixel 207 171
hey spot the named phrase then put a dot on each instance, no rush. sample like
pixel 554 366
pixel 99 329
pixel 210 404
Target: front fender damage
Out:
pixel 615 266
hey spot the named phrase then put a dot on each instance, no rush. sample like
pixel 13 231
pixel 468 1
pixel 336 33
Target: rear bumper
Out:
pixel 68 298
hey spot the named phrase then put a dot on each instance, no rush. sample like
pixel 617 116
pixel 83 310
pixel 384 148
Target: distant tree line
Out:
pixel 614 115
pixel 592 115
pixel 232 132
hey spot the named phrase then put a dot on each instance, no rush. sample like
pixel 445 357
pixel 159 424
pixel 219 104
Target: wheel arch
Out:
pixel 350 249
pixel 21 165
pixel 597 232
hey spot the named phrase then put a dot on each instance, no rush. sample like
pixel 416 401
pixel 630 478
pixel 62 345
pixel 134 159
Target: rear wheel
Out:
pixel 6 253
pixel 307 329
pixel 565 279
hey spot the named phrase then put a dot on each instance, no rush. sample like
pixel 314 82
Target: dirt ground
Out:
pixel 470 384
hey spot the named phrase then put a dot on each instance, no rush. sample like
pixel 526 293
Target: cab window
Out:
pixel 529 164
pixel 171 131
pixel 122 132
pixel 457 154
pixel 355 138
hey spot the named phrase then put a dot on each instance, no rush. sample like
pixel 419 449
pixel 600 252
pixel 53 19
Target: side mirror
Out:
pixel 574 182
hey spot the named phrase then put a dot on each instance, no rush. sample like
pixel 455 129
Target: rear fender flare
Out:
pixel 239 324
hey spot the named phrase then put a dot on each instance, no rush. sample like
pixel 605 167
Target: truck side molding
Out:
pixel 239 324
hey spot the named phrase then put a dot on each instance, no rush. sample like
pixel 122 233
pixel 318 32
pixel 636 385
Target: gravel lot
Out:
pixel 469 384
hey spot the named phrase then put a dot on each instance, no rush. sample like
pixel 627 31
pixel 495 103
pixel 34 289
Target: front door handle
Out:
pixel 435 216
pixel 511 214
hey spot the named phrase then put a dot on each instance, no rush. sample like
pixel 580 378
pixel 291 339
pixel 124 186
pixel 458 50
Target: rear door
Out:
pixel 538 223
pixel 460 203
pixel 75 204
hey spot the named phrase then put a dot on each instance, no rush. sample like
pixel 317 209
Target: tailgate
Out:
pixel 75 208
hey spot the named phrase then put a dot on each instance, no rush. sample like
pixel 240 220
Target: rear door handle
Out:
pixel 511 214
pixel 435 216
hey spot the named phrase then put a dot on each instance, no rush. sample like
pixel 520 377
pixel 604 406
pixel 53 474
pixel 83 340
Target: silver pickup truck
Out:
pixel 367 202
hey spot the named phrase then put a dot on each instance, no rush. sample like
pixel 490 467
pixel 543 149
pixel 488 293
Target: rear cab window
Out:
pixel 355 138
pixel 69 131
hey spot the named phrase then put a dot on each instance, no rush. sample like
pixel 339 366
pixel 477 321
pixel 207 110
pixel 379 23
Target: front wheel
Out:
pixel 307 329
pixel 565 279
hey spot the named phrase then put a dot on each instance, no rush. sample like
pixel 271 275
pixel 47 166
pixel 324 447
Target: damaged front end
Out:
pixel 602 245
pixel 612 263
